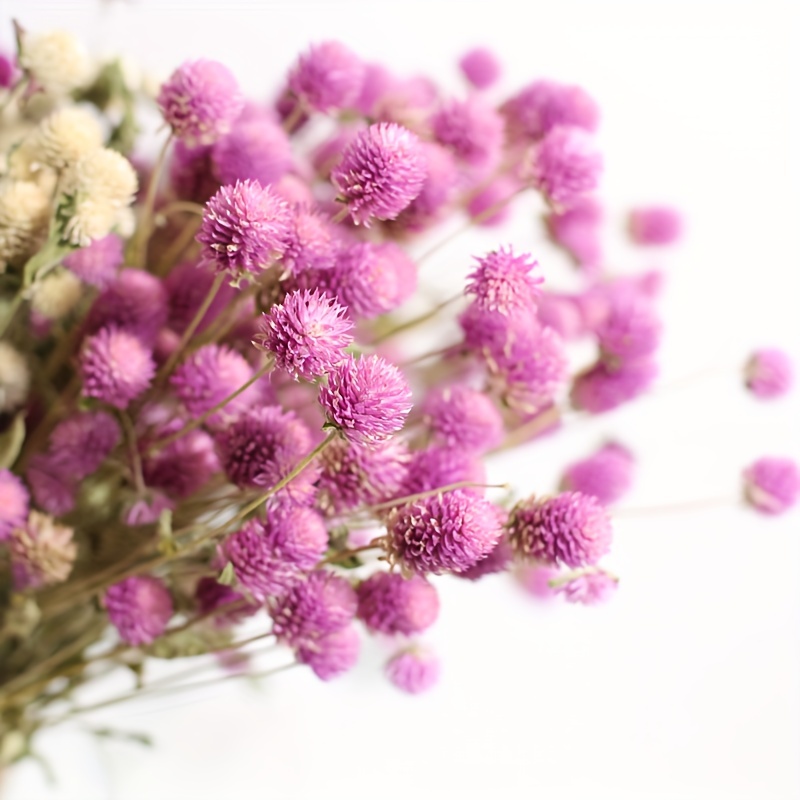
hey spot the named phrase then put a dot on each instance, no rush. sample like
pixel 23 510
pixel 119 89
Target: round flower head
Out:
pixel 296 534
pixel 98 263
pixel 53 484
pixel 139 608
pixel 184 466
pixel 256 149
pixel 502 282
pixel 320 605
pixel 437 467
pixel 15 378
pixel 42 552
pixel 655 225
pixel 606 475
pixel 589 588
pixel 603 387
pixel 213 598
pixel 391 604
pixel 368 399
pixel 566 165
pixel 307 334
pixel 24 216
pixel 200 101
pixel 190 172
pixel 413 671
pixel 14 502
pixel 631 328
pixel 56 295
pixel 570 528
pixel 769 373
pixel 187 287
pixel 443 533
pixel 328 77
pixel 115 367
pixel 537 580
pixel 83 441
pixel 498 560
pixel 310 243
pixel 244 227
pixel 380 173
pixel 147 510
pixel 331 655
pixel 67 135
pixel 56 60
pixel 490 206
pixel 463 418
pixel 562 313
pixel 772 485
pixel 577 230
pixel 473 130
pixel 480 67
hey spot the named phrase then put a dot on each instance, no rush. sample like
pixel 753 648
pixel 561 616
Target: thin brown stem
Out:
pixel 423 318
pixel 133 452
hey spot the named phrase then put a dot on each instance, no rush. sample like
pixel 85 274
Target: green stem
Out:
pixel 413 323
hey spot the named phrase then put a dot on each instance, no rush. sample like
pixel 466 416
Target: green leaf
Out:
pixel 227 577
pixel 11 441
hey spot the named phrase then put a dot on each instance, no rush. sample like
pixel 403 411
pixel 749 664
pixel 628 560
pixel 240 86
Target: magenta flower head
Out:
pixel 187 287
pixel 631 328
pixel 53 485
pixel 213 597
pixel 606 475
pixel 190 172
pixel 413 671
pixel 97 264
pixel 480 67
pixel 200 101
pixel 537 580
pixel 655 225
pixel 490 205
pixel 589 588
pixel 577 230
pixel 14 502
pixel 184 466
pixel 84 440
pixel 331 655
pixel 772 485
pixel 244 227
pixel 473 130
pixel 566 165
pixel 328 77
pixel 115 367
pixel 42 552
pixel 256 149
pixel 380 173
pixel 769 373
pixel 391 604
pixel 570 528
pixel 498 560
pixel 437 467
pixel 463 418
pixel 502 282
pixel 297 535
pixel 139 608
pixel 307 334
pixel 604 387
pixel 449 532
pixel 367 399
pixel 310 243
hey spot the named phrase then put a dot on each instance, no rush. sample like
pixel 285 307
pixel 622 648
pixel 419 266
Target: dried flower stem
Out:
pixel 411 498
pixel 133 450
pixel 413 323
pixel 174 252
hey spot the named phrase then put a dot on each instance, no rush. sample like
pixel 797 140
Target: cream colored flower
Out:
pixel 66 135
pixel 15 378
pixel 56 295
pixel 43 552
pixel 24 216
pixel 56 60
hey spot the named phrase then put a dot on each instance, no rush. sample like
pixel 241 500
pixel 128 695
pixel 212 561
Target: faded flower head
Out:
pixel 332 654
pixel 98 263
pixel 42 552
pixel 328 77
pixel 391 604
pixel 15 378
pixel 606 475
pixel 772 485
pixel 590 587
pixel 139 608
pixel 256 149
pixel 56 60
pixel 463 418
pixel 413 670
pixel 655 225
pixel 769 373
pixel 473 130
pixel 480 67
pixel 14 502
pixel 24 215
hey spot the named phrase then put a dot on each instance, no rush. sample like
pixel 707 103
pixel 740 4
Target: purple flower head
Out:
pixel 498 560
pixel 444 533
pixel 631 328
pixel 391 604
pixel 377 82
pixel 184 466
pixel 84 440
pixel 566 165
pixel 538 108
pixel 321 604
pixel 139 608
pixel 655 225
pixel 604 387
pixel 42 552
pixel 536 580
pixel 368 399
pixel 490 206
pixel 97 264
pixel 562 313
pixel 589 588
pixel 200 101
pixel 491 334
pixel 380 173
pixel 115 367
pixel 329 153
pixel 297 535
pixel 480 67
pixel 606 475
pixel 502 282
pixel 211 595
pixel 577 230
pixel 244 227
pixel 147 510
pixel 413 671
pixel 473 130
pixel 353 475
pixel 14 502
pixel 187 287
pixel 310 243
pixel 436 467
pixel 772 485
pixel 53 484
pixel 570 528
pixel 464 418
pixel 328 77
pixel 264 445
pixel 9 73
pixel 331 655
pixel 307 333
pixel 190 172
pixel 769 373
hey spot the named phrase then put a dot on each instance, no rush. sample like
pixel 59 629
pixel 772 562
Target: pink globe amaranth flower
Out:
pixel 377 82
pixel 443 533
pixel 631 328
pixel 570 528
pixel 14 503
pixel 541 106
pixel 655 225
pixel 490 206
pixel 184 466
pixel 139 608
pixel 328 154
pixel 98 263
pixel 367 399
pixel 307 334
pixel 328 77
pixel 437 467
pixel 473 130
pixel 200 101
pixel 537 580
pixel 413 671
pixel 589 588
pixel 147 510
pixel 244 228
pixel 187 287
pixel 562 313
pixel 502 282
pixel 321 604
pixel 332 655
pixel 391 604
pixel 211 595
pixel 83 441
pixel 480 67
pixel 769 373
pixel 296 534
pixel 262 446
pixel 209 375
pixel 353 475
pixel 311 243
pixel 380 173
pixel 42 552
pixel 606 475
pixel 463 418
pixel 772 485
pixel 498 560
pixel 490 334
pixel 566 165
pixel 115 367
pixel 604 387
pixel 190 172
pixel 577 229
pixel 53 484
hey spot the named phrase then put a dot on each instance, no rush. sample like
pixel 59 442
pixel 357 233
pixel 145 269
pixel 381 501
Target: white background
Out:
pixel 687 685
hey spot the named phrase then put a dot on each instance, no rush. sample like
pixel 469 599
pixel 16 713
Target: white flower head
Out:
pixel 15 378
pixel 24 216
pixel 66 135
pixel 57 60
pixel 56 295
